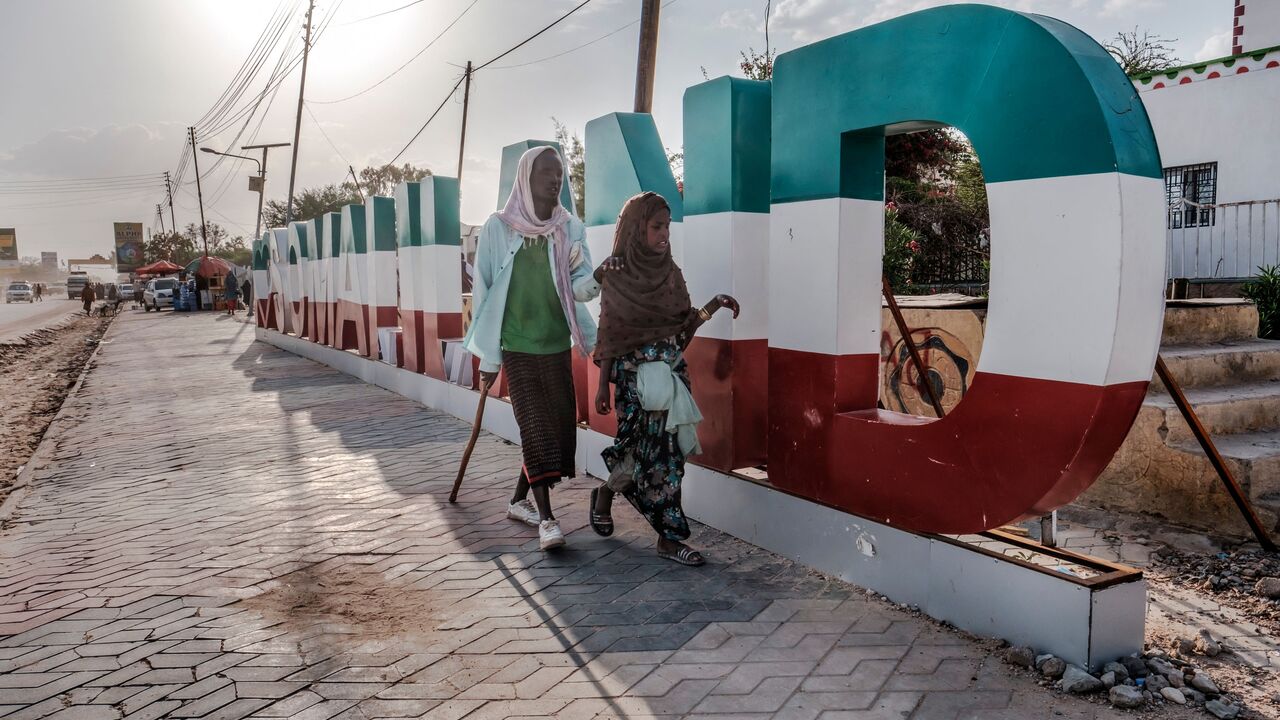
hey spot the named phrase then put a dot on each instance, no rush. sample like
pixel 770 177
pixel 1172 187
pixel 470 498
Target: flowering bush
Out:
pixel 901 245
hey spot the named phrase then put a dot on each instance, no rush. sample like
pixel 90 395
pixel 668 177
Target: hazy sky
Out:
pixel 107 88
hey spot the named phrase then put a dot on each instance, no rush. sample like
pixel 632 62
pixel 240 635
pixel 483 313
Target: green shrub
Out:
pixel 1264 291
pixel 901 244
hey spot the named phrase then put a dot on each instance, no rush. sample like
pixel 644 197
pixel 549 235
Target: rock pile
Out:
pixel 1150 679
pixel 1246 578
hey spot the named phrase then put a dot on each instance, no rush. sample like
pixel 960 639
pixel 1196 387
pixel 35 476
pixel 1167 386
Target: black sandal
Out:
pixel 685 556
pixel 602 524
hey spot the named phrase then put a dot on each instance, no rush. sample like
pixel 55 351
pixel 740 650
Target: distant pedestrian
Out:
pixel 232 294
pixel 87 296
pixel 246 291
pixel 39 292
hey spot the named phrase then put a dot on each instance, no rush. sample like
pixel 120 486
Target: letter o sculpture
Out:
pixel 1077 267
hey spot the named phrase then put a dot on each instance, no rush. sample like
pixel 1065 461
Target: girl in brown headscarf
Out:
pixel 645 317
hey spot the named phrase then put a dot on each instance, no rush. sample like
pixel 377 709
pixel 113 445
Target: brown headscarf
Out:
pixel 647 299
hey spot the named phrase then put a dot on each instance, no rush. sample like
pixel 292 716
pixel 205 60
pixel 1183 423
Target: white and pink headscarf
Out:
pixel 520 216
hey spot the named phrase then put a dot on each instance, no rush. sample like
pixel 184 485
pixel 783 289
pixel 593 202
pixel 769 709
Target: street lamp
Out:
pixel 261 181
pixel 258 183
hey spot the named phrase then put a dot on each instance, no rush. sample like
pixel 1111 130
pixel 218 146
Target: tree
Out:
pixel 313 202
pixel 186 245
pixel 383 180
pixel 676 160
pixel 310 203
pixel 575 156
pixel 754 65
pixel 1142 53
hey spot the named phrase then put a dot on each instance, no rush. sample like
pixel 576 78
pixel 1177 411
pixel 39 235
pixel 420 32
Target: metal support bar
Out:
pixel 905 332
pixel 1215 459
pixel 1049 529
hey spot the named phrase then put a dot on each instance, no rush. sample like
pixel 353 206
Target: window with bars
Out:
pixel 1188 187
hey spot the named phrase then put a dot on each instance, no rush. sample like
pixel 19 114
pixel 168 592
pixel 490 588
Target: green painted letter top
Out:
pixel 260 254
pixel 408 214
pixel 625 157
pixel 333 233
pixel 383 212
pixel 353 239
pixel 300 227
pixel 1037 97
pixel 726 140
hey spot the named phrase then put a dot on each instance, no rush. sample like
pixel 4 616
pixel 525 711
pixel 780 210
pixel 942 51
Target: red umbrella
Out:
pixel 160 267
pixel 208 266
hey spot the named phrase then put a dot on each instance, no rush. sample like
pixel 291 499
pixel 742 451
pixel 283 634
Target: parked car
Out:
pixel 19 292
pixel 159 293
pixel 126 292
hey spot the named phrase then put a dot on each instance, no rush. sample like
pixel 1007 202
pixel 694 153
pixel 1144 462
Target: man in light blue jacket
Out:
pixel 533 272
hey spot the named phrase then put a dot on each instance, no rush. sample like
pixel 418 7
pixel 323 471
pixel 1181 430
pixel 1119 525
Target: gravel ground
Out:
pixel 36 372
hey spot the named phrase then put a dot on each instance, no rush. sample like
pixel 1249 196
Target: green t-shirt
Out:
pixel 533 321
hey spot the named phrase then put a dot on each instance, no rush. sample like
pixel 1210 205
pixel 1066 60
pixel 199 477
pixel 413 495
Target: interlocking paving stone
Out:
pixel 265 537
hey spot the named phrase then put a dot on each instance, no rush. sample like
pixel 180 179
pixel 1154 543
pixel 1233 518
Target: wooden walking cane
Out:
pixel 471 444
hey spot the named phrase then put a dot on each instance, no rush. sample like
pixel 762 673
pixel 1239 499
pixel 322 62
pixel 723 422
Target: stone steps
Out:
pixel 1254 459
pixel 1221 363
pixel 1223 410
pixel 1232 380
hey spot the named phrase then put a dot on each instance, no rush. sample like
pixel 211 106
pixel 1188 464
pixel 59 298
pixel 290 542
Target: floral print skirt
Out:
pixel 653 453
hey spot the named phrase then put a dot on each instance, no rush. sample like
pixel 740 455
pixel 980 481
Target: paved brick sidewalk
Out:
pixel 234 531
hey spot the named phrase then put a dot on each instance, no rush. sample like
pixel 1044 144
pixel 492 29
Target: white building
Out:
pixel 1218 126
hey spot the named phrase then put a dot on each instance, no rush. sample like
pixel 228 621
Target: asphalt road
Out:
pixel 17 319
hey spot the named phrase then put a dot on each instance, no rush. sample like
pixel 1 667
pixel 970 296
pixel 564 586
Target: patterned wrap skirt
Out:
pixel 643 446
pixel 542 397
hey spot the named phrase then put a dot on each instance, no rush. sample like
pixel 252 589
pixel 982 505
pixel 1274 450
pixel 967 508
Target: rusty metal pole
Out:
pixel 1215 459
pixel 905 332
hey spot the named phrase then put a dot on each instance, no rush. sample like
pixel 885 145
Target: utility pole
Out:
pixel 297 124
pixel 356 180
pixel 648 57
pixel 262 182
pixel 466 100
pixel 168 189
pixel 160 214
pixel 195 157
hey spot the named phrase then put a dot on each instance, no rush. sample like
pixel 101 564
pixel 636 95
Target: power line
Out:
pixel 458 84
pixel 378 15
pixel 579 47
pixel 406 64
pixel 522 43
pixel 106 178
pixel 325 134
pixel 428 122
pixel 276 29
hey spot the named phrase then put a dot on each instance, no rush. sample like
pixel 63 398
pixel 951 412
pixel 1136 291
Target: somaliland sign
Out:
pixel 128 246
pixel 783 206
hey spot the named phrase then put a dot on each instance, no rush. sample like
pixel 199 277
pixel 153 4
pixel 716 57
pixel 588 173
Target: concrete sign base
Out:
pixel 1084 610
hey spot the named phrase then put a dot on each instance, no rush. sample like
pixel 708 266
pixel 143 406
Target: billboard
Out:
pixel 49 260
pixel 8 246
pixel 128 246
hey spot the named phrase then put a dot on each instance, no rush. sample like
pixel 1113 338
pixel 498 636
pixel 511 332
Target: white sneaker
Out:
pixel 549 535
pixel 524 512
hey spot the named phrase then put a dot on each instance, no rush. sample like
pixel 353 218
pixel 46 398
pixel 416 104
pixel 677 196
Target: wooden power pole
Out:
pixel 168 190
pixel 297 123
pixel 466 100
pixel 648 57
pixel 195 158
